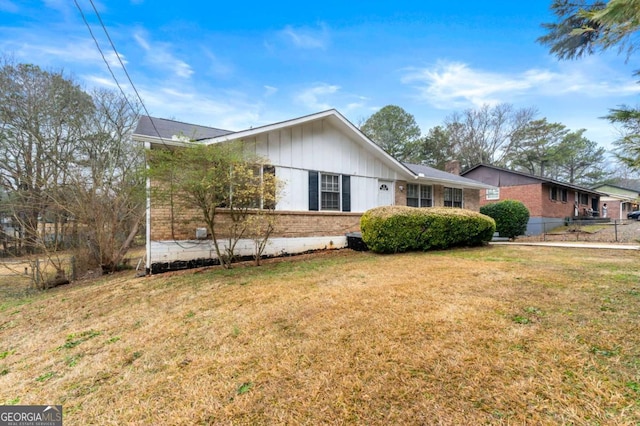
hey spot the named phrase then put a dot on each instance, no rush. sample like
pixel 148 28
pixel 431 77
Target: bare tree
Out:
pixel 67 166
pixel 485 135
pixel 105 194
pixel 42 117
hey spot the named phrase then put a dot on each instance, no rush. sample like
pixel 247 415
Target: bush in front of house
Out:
pixel 511 217
pixel 395 229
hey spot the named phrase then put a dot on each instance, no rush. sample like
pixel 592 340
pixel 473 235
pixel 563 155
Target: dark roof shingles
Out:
pixel 170 128
pixel 430 172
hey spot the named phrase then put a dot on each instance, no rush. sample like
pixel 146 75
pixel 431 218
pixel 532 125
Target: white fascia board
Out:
pixel 616 197
pixel 154 140
pixel 453 183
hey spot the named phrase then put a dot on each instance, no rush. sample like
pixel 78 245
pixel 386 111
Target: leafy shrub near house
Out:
pixel 511 217
pixel 394 229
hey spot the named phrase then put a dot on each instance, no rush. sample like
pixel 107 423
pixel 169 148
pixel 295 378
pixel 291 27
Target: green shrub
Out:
pixel 394 229
pixel 511 217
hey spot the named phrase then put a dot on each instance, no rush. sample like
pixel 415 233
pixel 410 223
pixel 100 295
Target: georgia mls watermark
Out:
pixel 30 415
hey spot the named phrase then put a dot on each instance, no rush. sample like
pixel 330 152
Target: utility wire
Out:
pixel 95 40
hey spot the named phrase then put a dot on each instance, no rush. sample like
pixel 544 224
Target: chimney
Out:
pixel 453 167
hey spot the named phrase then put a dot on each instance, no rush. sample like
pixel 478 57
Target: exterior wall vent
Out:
pixel 201 233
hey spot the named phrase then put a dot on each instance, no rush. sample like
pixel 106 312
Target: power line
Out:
pixel 95 40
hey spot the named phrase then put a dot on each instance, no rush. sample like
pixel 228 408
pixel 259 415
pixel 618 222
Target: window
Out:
pixel 584 199
pixel 452 197
pixel 493 194
pixel 248 190
pixel 557 194
pixel 419 195
pixel 269 183
pixel 329 192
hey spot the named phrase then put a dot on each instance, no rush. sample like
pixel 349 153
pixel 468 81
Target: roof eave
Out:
pixel 154 140
pixel 454 183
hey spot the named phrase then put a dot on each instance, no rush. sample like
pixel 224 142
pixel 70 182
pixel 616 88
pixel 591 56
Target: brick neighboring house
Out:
pixel 619 200
pixel 549 201
pixel 332 173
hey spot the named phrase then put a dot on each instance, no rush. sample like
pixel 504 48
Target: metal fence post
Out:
pixel 73 268
pixel 36 272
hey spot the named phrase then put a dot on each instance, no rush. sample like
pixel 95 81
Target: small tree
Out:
pixel 215 179
pixel 511 217
pixel 260 226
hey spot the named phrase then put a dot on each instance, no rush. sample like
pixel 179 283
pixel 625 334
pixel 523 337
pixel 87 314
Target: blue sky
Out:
pixel 238 65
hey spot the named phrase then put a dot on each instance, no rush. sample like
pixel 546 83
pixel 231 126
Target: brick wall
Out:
pixel 401 195
pixel 289 224
pixel 438 196
pixel 529 195
pixel 613 210
pixel 557 208
pixel 181 223
pixel 536 198
pixel 471 199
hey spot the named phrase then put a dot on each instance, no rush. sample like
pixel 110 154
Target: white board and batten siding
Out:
pixel 321 147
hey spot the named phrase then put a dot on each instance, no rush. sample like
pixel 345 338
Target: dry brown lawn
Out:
pixel 493 335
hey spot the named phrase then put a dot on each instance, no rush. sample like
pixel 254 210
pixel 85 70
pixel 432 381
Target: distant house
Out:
pixel 549 201
pixel 332 174
pixel 619 200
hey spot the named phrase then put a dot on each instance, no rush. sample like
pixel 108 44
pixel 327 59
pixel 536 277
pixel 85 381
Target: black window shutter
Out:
pixel 313 190
pixel 346 193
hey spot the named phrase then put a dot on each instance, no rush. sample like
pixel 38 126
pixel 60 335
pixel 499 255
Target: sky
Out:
pixel 235 66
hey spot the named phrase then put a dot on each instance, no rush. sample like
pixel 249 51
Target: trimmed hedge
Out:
pixel 394 229
pixel 511 217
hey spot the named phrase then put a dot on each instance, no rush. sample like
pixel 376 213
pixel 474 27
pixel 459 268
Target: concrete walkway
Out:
pixel 578 244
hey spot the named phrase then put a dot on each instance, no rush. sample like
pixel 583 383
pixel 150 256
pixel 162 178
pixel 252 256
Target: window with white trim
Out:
pixel 419 195
pixel 452 197
pixel 493 194
pixel 329 192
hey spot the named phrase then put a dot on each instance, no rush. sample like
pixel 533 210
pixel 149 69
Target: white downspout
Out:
pixel 147 146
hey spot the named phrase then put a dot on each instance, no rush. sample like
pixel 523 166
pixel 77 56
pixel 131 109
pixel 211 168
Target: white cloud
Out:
pixel 141 41
pixel 159 54
pixel 203 108
pixel 9 6
pixel 101 81
pixel 307 38
pixel 216 65
pixel 269 91
pixel 454 85
pixel 75 51
pixel 311 96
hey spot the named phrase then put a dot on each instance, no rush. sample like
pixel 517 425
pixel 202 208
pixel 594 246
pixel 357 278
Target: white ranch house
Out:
pixel 332 173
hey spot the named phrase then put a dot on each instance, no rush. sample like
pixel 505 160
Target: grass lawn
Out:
pixel 492 335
